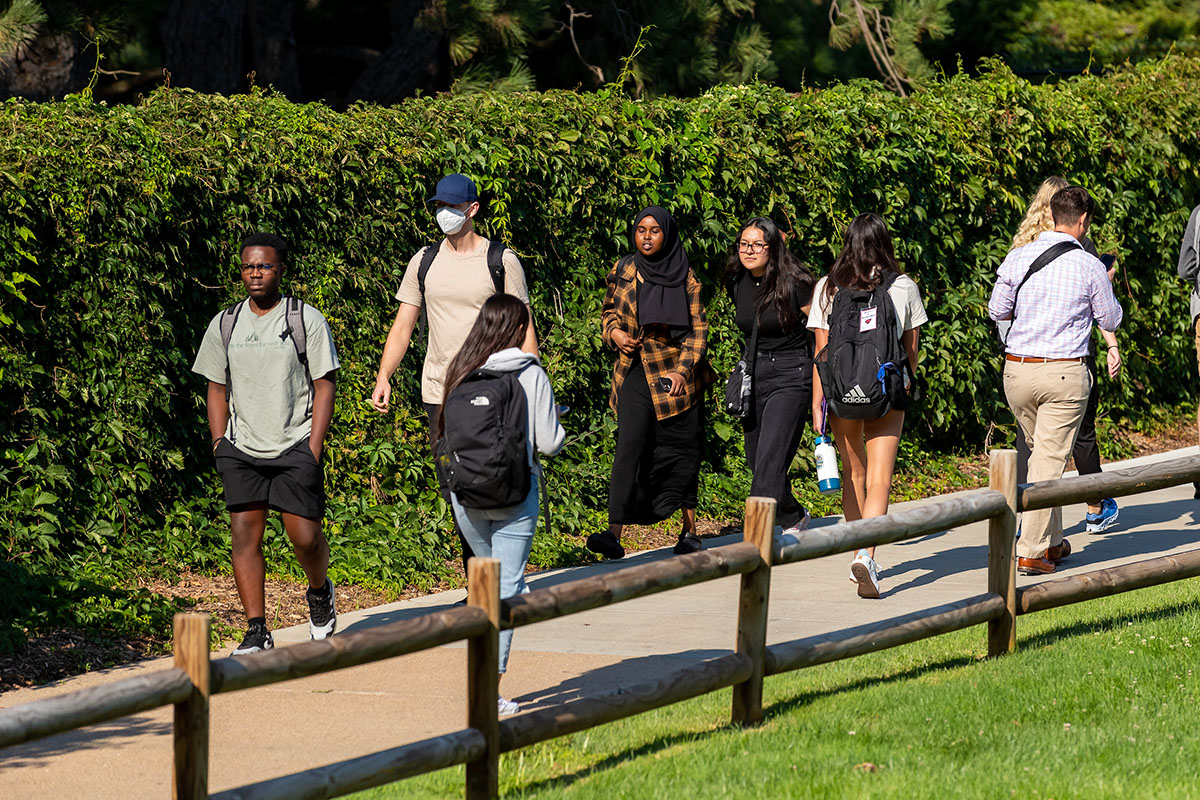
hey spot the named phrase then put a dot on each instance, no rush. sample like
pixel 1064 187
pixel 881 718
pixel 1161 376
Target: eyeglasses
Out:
pixel 751 247
pixel 264 267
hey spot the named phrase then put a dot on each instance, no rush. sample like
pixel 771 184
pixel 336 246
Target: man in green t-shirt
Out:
pixel 268 417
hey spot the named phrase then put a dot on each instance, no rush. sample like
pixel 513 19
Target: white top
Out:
pixel 906 297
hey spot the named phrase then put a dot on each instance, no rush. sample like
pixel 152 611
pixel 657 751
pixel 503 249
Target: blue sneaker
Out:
pixel 1105 519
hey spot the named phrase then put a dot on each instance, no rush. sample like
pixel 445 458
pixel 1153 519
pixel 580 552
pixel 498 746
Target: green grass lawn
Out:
pixel 1099 701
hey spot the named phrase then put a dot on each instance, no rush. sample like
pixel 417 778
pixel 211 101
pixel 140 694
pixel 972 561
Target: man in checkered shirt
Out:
pixel 1046 379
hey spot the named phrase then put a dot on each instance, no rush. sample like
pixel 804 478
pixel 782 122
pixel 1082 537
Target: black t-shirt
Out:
pixel 771 335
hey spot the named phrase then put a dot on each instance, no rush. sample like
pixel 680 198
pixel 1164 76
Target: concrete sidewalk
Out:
pixel 288 727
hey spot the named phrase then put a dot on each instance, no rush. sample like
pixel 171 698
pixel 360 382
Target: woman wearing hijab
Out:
pixel 654 319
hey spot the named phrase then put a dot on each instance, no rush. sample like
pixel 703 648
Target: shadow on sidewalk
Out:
pixel 629 672
pixel 93 737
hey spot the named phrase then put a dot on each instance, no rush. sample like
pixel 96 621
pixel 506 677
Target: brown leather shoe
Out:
pixel 1059 551
pixel 1034 566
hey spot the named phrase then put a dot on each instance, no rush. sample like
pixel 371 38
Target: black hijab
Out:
pixel 662 293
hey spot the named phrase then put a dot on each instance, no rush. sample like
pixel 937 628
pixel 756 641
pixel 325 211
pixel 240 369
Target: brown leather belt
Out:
pixel 1038 360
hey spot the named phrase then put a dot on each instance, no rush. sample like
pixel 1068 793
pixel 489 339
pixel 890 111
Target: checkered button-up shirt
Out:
pixel 1057 307
pixel 659 353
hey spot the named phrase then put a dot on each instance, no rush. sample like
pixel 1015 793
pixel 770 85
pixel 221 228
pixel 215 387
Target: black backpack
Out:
pixel 482 453
pixel 863 372
pixel 295 330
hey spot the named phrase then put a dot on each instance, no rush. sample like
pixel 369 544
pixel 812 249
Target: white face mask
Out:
pixel 450 220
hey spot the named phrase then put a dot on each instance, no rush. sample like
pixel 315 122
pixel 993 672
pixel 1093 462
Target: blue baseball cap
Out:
pixel 455 189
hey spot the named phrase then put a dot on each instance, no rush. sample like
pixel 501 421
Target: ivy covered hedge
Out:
pixel 122 224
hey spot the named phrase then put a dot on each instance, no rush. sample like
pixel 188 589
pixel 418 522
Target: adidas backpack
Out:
pixel 864 368
pixel 482 454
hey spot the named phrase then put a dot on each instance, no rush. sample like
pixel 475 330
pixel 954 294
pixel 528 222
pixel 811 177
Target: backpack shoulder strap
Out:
pixel 427 257
pixel 295 330
pixel 228 321
pixel 495 262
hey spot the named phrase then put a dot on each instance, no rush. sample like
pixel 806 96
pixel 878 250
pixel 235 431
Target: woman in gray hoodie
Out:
pixel 494 346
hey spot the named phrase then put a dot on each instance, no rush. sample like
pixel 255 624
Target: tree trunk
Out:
pixel 414 61
pixel 47 69
pixel 202 44
pixel 273 45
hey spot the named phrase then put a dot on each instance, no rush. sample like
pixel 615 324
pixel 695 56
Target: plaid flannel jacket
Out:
pixel 659 353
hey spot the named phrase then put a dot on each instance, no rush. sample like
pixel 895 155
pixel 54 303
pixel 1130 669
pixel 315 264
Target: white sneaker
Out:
pixel 507 707
pixel 866 575
pixel 802 525
pixel 322 613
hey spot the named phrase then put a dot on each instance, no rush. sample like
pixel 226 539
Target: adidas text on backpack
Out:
pixel 863 368
pixel 482 454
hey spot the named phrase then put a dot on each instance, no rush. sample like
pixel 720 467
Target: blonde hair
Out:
pixel 1038 218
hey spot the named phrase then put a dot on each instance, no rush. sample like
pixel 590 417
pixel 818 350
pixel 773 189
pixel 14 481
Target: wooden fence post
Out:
pixel 191 716
pixel 483 689
pixel 1002 555
pixel 759 530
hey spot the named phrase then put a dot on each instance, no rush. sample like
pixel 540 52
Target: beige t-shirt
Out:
pixel 906 298
pixel 455 289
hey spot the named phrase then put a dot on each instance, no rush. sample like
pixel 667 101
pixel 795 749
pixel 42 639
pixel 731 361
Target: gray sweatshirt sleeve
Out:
pixel 548 434
pixel 1189 259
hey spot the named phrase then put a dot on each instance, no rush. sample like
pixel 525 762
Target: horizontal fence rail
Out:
pixel 368 771
pixel 1105 582
pixel 681 684
pixel 188 685
pixel 961 508
pixel 630 583
pixel 348 649
pixel 1117 483
pixel 78 709
pixel 812 650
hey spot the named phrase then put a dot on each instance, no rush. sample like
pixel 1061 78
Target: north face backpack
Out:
pixel 482 454
pixel 864 368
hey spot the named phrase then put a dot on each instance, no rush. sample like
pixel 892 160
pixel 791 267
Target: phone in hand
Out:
pixel 664 383
pixel 1108 259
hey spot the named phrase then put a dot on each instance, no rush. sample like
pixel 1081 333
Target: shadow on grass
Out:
pixel 798 701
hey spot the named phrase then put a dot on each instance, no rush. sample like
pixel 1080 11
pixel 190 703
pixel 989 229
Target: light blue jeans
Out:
pixel 506 534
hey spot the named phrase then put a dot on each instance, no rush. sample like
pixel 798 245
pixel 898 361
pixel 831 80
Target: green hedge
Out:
pixel 126 222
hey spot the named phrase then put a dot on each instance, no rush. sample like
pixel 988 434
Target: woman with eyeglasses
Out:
pixel 654 319
pixel 772 291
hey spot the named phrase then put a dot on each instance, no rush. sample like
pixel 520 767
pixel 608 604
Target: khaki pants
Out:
pixel 1048 400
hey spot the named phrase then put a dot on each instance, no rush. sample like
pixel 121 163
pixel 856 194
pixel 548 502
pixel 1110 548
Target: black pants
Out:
pixel 431 411
pixel 656 468
pixel 782 399
pixel 1086 452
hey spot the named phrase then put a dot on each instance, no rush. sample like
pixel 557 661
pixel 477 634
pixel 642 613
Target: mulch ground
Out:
pixel 59 654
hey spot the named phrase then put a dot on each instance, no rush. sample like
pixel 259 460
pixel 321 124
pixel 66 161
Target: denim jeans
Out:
pixel 506 534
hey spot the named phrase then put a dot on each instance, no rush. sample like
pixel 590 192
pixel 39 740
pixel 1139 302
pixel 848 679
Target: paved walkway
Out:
pixel 288 727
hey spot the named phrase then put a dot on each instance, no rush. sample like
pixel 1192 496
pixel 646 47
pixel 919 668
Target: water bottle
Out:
pixel 825 454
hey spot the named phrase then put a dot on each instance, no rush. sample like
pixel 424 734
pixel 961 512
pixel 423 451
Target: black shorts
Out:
pixel 293 482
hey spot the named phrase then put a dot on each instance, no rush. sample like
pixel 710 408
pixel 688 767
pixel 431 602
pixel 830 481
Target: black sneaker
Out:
pixel 322 615
pixel 257 639
pixel 688 543
pixel 605 544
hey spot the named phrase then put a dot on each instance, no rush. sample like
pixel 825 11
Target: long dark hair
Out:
pixel 865 259
pixel 784 278
pixel 501 324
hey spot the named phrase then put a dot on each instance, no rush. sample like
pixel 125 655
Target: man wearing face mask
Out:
pixel 456 283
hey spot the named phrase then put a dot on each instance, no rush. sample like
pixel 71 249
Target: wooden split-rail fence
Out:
pixel 195 677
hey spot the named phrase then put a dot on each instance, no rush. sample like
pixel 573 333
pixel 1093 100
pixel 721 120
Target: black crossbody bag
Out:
pixel 739 389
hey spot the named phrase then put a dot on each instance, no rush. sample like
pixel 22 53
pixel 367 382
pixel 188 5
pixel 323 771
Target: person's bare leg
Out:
pixel 689 520
pixel 848 435
pixel 882 443
pixel 310 545
pixel 249 570
pixel 615 529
